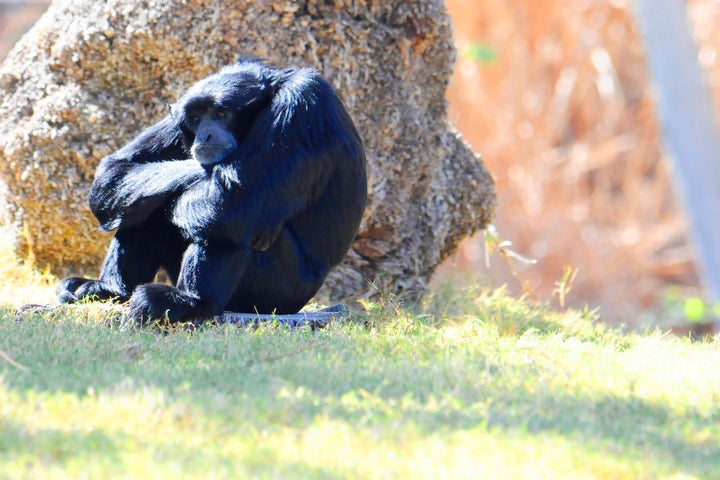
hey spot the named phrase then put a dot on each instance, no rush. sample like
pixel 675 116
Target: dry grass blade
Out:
pixel 12 362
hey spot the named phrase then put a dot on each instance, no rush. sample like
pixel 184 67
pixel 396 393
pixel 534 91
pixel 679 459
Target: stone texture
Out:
pixel 90 75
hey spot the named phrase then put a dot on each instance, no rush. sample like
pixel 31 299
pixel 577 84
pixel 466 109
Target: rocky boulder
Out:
pixel 90 75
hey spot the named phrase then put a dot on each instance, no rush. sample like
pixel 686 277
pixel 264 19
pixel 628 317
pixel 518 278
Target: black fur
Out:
pixel 247 193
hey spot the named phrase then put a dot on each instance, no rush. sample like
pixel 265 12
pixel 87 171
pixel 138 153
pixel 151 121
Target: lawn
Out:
pixel 472 384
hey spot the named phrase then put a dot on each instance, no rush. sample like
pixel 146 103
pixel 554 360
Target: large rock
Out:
pixel 90 75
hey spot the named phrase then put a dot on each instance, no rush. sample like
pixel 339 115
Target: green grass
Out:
pixel 474 385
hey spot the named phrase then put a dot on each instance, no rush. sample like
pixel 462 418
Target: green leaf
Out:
pixel 694 309
pixel 481 53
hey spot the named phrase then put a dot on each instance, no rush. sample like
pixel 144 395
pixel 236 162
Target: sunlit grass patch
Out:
pixel 469 384
pixel 21 282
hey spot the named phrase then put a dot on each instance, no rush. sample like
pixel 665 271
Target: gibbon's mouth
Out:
pixel 209 153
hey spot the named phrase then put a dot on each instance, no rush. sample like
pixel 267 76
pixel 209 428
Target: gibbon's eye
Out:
pixel 192 120
pixel 220 114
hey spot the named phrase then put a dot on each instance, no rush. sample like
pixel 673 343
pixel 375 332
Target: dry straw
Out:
pixel 558 100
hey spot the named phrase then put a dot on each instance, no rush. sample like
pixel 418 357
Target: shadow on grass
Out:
pixel 625 428
pixel 352 379
pixel 114 452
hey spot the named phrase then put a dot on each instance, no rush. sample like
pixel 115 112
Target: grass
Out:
pixel 474 384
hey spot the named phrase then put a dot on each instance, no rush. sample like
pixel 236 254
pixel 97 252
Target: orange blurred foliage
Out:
pixel 557 98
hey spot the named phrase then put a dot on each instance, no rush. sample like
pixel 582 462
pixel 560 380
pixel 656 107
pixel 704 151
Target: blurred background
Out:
pixel 558 100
